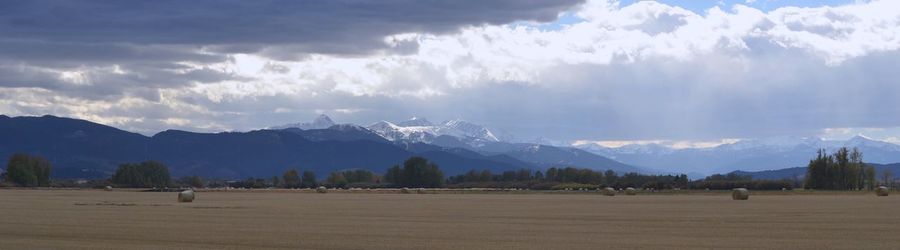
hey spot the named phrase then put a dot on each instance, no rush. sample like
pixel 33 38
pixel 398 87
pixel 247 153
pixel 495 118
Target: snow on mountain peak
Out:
pixel 322 120
pixel 415 121
pixel 460 128
pixel 421 130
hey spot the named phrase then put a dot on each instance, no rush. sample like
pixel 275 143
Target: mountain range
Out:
pixel 747 155
pixel 83 149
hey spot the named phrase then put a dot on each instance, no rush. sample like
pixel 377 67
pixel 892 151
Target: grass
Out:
pixel 358 219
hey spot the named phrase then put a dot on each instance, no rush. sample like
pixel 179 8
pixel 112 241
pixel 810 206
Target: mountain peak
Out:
pixel 861 137
pixel 415 121
pixel 320 122
pixel 323 119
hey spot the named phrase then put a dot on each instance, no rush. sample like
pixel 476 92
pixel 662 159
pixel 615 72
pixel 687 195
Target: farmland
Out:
pixel 91 219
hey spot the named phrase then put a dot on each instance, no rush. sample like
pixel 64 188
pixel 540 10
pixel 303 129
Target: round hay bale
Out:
pixel 186 196
pixel 609 191
pixel 108 188
pixel 882 191
pixel 404 190
pixel 421 191
pixel 321 190
pixel 740 194
pixel 630 191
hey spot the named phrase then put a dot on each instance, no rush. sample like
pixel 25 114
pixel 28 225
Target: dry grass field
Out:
pixel 90 219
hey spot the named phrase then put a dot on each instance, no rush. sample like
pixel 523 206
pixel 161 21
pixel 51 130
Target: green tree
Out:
pixel 870 178
pixel 336 179
pixel 275 181
pixel 291 179
pixel 28 171
pixel 142 175
pixel 610 178
pixel 309 179
pixel 359 176
pixel 416 172
pixel 842 170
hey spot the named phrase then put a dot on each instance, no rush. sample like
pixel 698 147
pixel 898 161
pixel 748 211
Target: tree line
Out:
pixel 562 178
pixel 842 170
pixel 732 180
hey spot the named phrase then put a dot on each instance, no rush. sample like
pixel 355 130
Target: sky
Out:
pixel 692 72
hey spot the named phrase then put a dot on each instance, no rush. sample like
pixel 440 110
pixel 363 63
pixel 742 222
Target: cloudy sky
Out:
pixel 696 71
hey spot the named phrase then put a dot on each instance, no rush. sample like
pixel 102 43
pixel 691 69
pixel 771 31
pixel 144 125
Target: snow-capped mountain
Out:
pixel 463 129
pixel 421 130
pixel 321 122
pixel 460 137
pixel 747 155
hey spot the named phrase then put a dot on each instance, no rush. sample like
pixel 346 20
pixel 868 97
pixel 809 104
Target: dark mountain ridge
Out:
pixel 82 149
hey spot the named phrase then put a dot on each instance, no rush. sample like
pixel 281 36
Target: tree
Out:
pixel 416 172
pixel 142 175
pixel 611 177
pixel 538 175
pixel 309 179
pixel 336 179
pixel 275 181
pixel 887 178
pixel 393 174
pixel 291 179
pixel 843 170
pixel 870 178
pixel 28 171
pixel 486 176
pixel 359 176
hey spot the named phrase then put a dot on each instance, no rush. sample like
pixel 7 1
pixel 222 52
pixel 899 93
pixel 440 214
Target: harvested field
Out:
pixel 92 219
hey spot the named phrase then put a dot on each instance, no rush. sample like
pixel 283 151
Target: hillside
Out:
pixel 82 149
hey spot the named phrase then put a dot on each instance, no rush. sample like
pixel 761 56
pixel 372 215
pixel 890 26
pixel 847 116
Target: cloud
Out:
pixel 640 72
pixel 328 27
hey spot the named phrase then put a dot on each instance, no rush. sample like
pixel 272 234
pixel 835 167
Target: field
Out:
pixel 92 219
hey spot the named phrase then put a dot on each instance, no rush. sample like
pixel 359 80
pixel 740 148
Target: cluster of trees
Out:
pixel 290 179
pixel 557 178
pixel 843 170
pixel 293 179
pixel 347 178
pixel 142 175
pixel 417 172
pixel 732 180
pixel 28 171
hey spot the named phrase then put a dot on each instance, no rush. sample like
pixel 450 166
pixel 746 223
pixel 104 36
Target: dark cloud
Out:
pixel 151 43
pixel 332 27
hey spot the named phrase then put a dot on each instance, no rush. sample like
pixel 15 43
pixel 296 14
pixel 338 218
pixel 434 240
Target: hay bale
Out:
pixel 108 188
pixel 882 191
pixel 186 196
pixel 740 194
pixel 321 190
pixel 421 191
pixel 630 191
pixel 404 190
pixel 609 191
